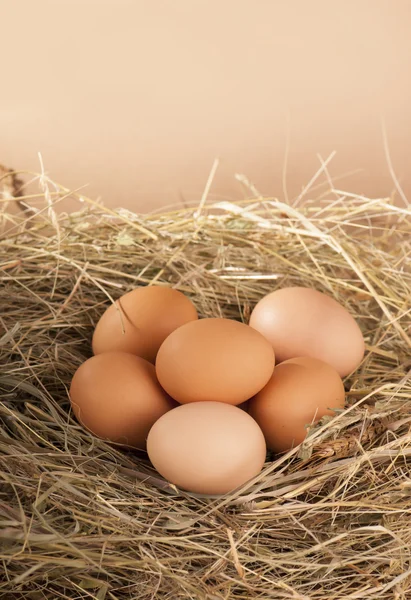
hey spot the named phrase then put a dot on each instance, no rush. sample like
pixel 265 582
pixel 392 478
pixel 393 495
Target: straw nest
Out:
pixel 82 519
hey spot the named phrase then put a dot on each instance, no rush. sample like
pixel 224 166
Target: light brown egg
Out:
pixel 207 447
pixel 117 397
pixel 141 320
pixel 304 322
pixel 300 392
pixel 214 360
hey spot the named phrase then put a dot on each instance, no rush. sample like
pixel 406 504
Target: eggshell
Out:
pixel 117 397
pixel 214 360
pixel 304 322
pixel 300 392
pixel 207 447
pixel 141 320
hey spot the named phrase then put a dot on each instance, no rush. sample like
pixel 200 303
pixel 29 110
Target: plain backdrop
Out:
pixel 137 98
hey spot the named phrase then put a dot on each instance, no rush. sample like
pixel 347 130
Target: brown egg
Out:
pixel 300 392
pixel 141 320
pixel 303 322
pixel 207 447
pixel 117 397
pixel 214 360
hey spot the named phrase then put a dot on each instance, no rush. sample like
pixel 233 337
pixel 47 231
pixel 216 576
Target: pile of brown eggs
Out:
pixel 207 397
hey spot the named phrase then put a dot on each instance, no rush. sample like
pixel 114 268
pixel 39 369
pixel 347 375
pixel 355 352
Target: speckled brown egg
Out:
pixel 304 322
pixel 140 321
pixel 214 360
pixel 207 447
pixel 117 397
pixel 300 392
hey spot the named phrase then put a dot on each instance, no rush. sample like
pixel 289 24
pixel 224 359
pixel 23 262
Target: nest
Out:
pixel 80 518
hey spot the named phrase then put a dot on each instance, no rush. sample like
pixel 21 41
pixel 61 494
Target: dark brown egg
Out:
pixel 140 321
pixel 304 322
pixel 117 397
pixel 214 360
pixel 300 392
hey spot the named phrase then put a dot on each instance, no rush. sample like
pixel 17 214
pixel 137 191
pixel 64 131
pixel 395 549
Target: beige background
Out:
pixel 136 98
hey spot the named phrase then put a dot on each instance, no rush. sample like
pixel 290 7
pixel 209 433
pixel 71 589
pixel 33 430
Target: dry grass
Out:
pixel 81 519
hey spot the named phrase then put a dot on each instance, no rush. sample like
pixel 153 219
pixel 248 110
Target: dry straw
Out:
pixel 82 519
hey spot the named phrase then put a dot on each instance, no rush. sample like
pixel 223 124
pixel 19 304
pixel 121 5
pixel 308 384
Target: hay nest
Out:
pixel 82 519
